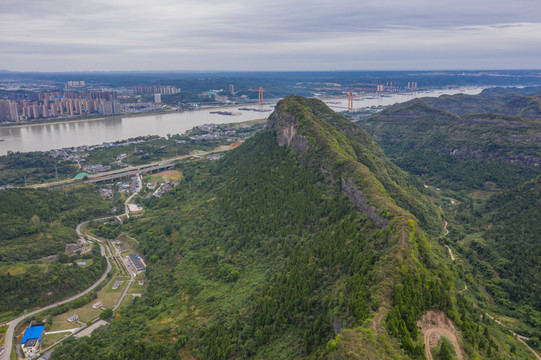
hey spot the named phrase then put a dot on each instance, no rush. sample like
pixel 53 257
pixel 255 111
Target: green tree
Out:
pixel 106 314
pixel 445 351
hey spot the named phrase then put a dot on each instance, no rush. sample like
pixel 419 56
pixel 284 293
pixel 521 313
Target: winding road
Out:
pixel 8 343
pixel 13 324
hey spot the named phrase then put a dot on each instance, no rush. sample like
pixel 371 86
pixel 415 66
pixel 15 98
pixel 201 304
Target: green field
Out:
pixel 136 288
pixel 50 339
pixel 107 296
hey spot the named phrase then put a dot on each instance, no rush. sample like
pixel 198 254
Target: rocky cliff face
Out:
pixel 286 126
pixel 358 199
pixel 346 156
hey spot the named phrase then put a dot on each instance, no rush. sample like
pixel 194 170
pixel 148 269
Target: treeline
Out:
pixel 464 151
pixel 318 230
pixel 416 295
pixel 37 224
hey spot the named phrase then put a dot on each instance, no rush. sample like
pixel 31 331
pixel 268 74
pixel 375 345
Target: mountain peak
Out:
pixel 288 115
pixel 348 157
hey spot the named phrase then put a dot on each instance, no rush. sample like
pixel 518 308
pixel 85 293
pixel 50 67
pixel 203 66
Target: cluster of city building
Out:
pixel 79 99
pixel 361 88
pixel 156 89
pixel 128 187
pixel 75 83
pixel 31 106
pixel 394 86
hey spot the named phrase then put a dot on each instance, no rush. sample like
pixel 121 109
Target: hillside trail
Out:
pixel 435 325
pixel 520 338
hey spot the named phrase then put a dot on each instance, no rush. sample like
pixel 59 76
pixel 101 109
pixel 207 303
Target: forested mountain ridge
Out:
pixel 491 100
pixel 528 107
pixel 348 156
pixel 463 150
pixel 304 242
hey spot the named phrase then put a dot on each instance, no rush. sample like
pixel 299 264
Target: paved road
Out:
pixel 130 170
pixel 130 282
pixel 13 324
pixel 127 202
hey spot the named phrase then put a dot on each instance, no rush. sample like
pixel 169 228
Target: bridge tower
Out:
pixel 260 100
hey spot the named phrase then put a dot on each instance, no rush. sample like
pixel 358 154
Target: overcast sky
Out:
pixel 72 35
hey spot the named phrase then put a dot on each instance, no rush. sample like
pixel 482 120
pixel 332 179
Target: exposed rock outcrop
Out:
pixel 359 201
pixel 286 126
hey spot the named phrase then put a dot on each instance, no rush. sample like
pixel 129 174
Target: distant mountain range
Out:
pixel 463 141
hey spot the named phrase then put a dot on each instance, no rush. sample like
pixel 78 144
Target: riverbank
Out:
pixel 113 117
pixel 77 120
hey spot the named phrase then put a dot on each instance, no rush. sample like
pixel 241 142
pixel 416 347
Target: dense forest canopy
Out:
pixel 305 233
pixel 38 224
pixel 464 142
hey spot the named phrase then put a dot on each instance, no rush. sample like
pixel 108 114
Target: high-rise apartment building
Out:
pixel 8 111
pixel 156 89
pixel 109 108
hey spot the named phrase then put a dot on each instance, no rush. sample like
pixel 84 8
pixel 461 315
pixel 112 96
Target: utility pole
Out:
pixel 56 172
pixel 25 183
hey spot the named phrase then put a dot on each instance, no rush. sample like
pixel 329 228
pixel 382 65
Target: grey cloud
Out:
pixel 206 34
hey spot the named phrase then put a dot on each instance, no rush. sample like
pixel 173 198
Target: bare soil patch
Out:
pixel 435 325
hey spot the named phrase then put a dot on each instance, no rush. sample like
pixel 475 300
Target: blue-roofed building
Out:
pixel 81 175
pixel 32 339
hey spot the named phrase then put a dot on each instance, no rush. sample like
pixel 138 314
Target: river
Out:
pixel 366 101
pixel 44 137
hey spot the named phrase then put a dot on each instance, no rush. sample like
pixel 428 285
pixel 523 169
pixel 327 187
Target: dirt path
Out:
pixel 450 252
pixel 445 223
pixel 436 333
pixel 435 325
pixel 520 338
